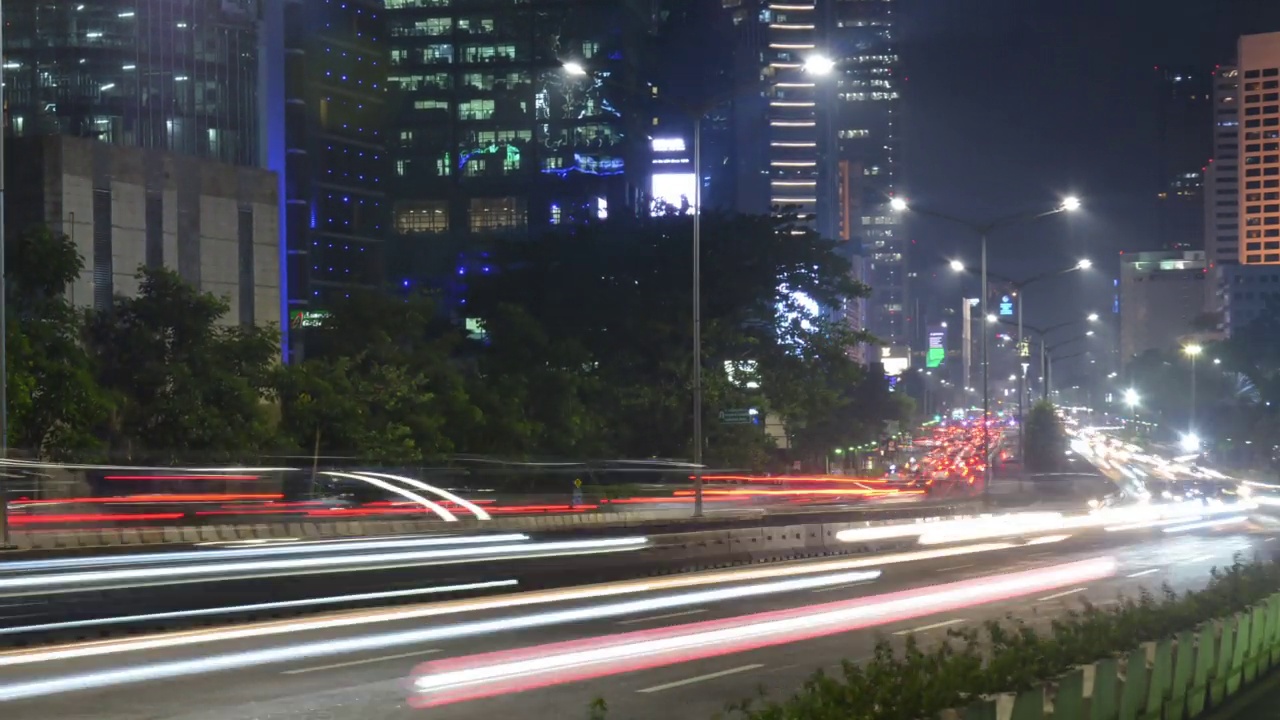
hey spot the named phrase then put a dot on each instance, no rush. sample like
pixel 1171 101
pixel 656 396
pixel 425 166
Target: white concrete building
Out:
pixel 215 224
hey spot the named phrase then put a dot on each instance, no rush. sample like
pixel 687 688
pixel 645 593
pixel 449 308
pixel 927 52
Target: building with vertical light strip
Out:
pixel 1259 68
pixel 830 138
pixel 794 131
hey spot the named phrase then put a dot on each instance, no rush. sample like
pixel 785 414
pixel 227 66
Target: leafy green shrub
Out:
pixel 1008 655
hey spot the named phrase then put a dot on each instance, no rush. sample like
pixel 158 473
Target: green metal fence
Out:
pixel 1178 678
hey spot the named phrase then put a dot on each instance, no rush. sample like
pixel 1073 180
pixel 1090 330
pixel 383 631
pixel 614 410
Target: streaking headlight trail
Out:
pixel 319 649
pixel 191 638
pixel 103 579
pixel 468 678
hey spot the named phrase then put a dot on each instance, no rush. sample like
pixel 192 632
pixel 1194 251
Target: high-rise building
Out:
pixel 1222 181
pixel 510 119
pixel 864 126
pixel 1259 66
pixel 827 141
pixel 176 75
pixel 1161 296
pixel 327 119
pixel 1185 108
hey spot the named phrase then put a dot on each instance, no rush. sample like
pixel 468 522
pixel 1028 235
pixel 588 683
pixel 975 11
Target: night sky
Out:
pixel 1011 104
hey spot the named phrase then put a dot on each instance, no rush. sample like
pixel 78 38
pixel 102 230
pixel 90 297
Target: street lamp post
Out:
pixel 1069 204
pixel 696 114
pixel 1019 289
pixel 1192 351
pixel 4 330
pixel 697 316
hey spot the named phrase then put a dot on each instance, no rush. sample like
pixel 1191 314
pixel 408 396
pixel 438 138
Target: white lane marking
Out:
pixel 954 567
pixel 934 626
pixel 1269 539
pixel 700 678
pixel 366 661
pixel 845 586
pixel 1140 573
pixel 633 621
pixel 1198 558
pixel 1062 594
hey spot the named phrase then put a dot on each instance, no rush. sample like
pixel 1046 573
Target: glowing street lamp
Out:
pixel 1093 317
pixel 1190 442
pixel 957 266
pixel 574 68
pixel 1084 264
pixel 819 65
pixel 1131 398
pixel 1193 351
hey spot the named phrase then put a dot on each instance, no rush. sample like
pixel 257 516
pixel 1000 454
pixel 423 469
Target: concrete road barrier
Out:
pixel 750 531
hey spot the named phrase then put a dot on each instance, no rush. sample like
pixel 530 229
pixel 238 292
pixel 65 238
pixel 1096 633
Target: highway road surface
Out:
pixel 475 655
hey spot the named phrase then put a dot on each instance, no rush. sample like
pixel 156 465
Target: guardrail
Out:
pixel 125 537
pixel 1184 676
pixel 665 554
pixel 674 520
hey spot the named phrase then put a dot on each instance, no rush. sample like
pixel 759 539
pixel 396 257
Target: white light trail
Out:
pixel 328 648
pixel 350 619
pixel 412 496
pixel 281 605
pixel 475 509
pixel 101 579
pixel 295 548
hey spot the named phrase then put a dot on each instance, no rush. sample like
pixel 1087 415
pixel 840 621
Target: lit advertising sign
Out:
pixel 1006 306
pixel 307 318
pixel 937 348
pixel 895 366
pixel 673 190
pixel 668 145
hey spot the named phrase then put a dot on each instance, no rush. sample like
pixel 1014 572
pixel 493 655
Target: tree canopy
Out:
pixel 579 344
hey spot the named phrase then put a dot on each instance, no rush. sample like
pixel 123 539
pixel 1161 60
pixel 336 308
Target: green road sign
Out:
pixel 735 417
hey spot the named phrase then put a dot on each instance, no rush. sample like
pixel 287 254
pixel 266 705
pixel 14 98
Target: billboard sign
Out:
pixel 307 318
pixel 1006 306
pixel 937 351
pixel 673 190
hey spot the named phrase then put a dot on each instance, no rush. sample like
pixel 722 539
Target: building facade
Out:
pixel 1247 292
pixel 215 224
pixel 1222 178
pixel 1161 296
pixel 865 125
pixel 828 142
pixel 176 75
pixel 509 120
pixel 1259 66
pixel 1184 110
pixel 328 116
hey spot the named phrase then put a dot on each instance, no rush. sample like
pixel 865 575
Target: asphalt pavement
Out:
pixel 372 681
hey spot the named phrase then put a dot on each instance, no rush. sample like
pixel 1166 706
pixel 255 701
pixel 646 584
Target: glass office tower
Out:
pixel 178 75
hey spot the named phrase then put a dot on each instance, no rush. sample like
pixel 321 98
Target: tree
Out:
pixel 381 384
pixel 1045 439
pixel 55 404
pixel 618 297
pixel 182 382
pixel 352 407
